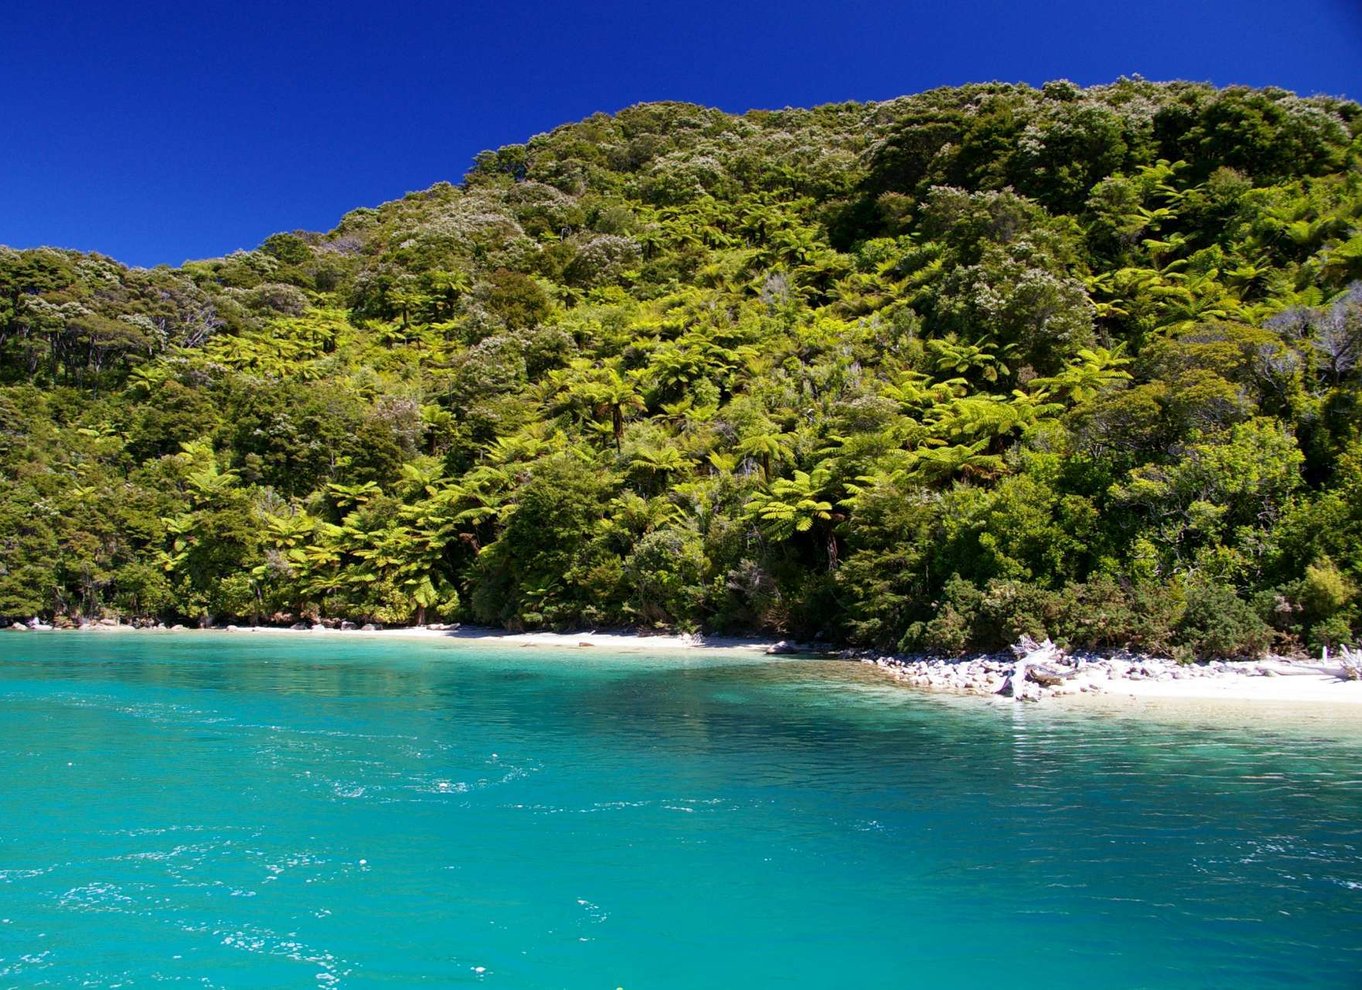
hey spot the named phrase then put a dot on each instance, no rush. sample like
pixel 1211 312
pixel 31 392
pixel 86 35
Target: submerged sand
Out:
pixel 1108 683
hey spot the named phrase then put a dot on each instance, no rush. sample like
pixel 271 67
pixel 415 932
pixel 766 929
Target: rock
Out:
pixel 300 627
pixel 109 623
pixel 318 627
pixel 19 627
pixel 783 648
pixel 369 627
pixel 234 629
pixel 177 628
pixel 347 625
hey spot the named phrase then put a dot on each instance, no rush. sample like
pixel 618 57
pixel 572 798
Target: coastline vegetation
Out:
pixel 927 374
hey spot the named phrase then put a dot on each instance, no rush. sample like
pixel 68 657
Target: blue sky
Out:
pixel 156 132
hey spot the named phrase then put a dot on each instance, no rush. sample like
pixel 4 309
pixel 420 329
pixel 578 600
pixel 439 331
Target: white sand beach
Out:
pixel 614 640
pixel 1272 681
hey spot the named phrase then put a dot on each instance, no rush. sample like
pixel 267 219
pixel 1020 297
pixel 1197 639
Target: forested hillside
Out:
pixel 924 374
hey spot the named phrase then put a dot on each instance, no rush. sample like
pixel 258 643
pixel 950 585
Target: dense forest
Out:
pixel 923 374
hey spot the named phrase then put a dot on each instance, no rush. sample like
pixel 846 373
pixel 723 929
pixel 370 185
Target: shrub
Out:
pixel 970 618
pixel 1216 622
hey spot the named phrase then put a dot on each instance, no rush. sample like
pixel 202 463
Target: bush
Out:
pixel 602 261
pixel 1098 614
pixel 952 630
pixel 666 573
pixel 987 619
pixel 142 590
pixel 1216 622
pixel 1106 612
pixel 1333 632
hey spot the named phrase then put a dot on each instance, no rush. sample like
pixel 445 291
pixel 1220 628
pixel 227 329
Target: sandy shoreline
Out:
pixel 1287 682
pixel 1112 682
pixel 626 642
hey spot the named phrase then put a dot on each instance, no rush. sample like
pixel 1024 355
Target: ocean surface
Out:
pixel 241 811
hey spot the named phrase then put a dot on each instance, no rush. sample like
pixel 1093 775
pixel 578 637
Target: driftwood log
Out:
pixel 1350 664
pixel 1036 664
pixel 1048 676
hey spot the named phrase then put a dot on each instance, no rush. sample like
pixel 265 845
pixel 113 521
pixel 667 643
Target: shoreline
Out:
pixel 1116 681
pixel 620 641
pixel 1129 681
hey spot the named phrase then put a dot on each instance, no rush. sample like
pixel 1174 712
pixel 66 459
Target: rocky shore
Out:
pixel 1037 671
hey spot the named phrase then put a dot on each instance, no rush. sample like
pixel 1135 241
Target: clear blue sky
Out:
pixel 155 131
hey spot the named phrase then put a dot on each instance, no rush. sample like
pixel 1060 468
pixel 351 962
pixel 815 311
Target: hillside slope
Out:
pixel 927 373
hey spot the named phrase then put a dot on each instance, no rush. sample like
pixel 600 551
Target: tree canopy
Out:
pixel 927 373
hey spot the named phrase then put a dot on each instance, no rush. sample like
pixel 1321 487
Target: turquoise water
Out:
pixel 257 811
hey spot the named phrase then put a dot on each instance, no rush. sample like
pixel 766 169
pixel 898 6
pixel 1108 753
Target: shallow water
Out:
pixel 259 811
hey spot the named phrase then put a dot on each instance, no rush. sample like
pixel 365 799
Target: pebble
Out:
pixel 987 674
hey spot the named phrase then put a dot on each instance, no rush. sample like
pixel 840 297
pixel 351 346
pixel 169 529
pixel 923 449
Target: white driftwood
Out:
pixel 1035 664
pixel 1048 676
pixel 1350 664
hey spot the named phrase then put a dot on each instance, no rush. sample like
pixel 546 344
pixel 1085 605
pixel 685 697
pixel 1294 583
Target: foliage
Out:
pixel 928 373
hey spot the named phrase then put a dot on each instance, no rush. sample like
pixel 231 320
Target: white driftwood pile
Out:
pixel 1349 663
pixel 1039 665
pixel 1034 671
pixel 1041 670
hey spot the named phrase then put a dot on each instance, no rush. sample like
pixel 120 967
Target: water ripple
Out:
pixel 405 817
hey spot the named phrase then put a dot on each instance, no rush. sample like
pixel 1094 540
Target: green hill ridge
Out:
pixel 924 374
